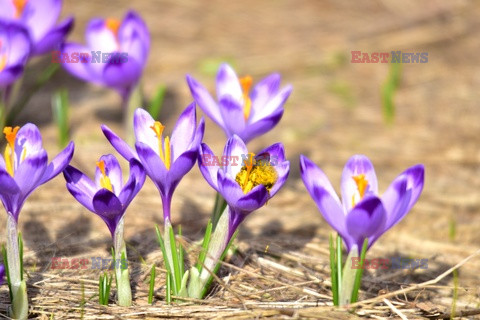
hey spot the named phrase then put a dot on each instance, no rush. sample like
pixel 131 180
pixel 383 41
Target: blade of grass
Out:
pixel 205 243
pixel 333 272
pixel 176 272
pixel 152 285
pixel 339 263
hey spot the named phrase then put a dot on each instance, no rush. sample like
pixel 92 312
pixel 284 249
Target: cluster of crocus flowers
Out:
pixel 246 186
pixel 121 50
pixel 242 110
pixel 362 215
pixel 108 197
pixel 14 52
pixel 23 168
pixel 39 17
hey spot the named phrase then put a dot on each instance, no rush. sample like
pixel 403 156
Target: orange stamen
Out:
pixel 249 165
pixel 113 25
pixel 10 135
pixel 104 180
pixel 19 6
pixel 164 149
pixel 362 185
pixel 246 83
pixel 3 62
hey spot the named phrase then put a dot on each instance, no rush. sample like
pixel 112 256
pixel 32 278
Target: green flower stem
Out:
pixel 18 287
pixel 218 208
pixel 124 292
pixel 134 101
pixel 218 243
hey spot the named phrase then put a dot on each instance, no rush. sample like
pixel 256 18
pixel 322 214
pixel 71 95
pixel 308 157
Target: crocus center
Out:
pixel 362 185
pixel 113 25
pixel 11 135
pixel 246 83
pixel 164 150
pixel 252 175
pixel 19 6
pixel 104 180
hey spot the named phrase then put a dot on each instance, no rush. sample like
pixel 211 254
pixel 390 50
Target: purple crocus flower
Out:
pixel 14 51
pixel 246 181
pixel 362 213
pixel 107 196
pixel 245 185
pixel 25 166
pixel 165 160
pixel 116 51
pixel 239 111
pixel 39 17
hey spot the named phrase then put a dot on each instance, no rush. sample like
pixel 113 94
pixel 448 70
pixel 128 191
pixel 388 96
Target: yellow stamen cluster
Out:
pixel 362 185
pixel 163 144
pixel 19 6
pixel 246 83
pixel 252 175
pixel 113 25
pixel 104 180
pixel 10 135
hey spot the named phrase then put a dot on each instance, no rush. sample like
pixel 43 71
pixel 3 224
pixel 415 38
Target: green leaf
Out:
pixel 339 264
pixel 333 272
pixel 157 102
pixel 176 271
pixel 218 208
pixel 60 106
pixel 5 261
pixel 152 284
pixel 358 276
pixel 168 290
pixel 205 243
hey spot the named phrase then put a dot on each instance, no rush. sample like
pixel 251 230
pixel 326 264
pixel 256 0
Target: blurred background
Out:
pixel 396 115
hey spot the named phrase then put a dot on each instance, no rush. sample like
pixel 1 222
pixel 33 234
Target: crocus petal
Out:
pixel 323 194
pixel 109 208
pixel 121 146
pixel 83 183
pixel 123 74
pixel 265 90
pixel 112 170
pixel 10 75
pixel 134 183
pixel 41 16
pixel 99 37
pixel 205 101
pixel 184 131
pixel 261 126
pixel 232 114
pixel 235 147
pixel 30 172
pixel 207 167
pixel 8 9
pixel 154 166
pixel 181 167
pixel 415 182
pixel 54 37
pixel 82 70
pixel 271 106
pixel 7 183
pixel 28 137
pixel 229 189
pixel 356 165
pixel 59 163
pixel 275 155
pixel 253 200
pixel 134 36
pixel 142 125
pixel 228 84
pixel 366 219
pixel 19 43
